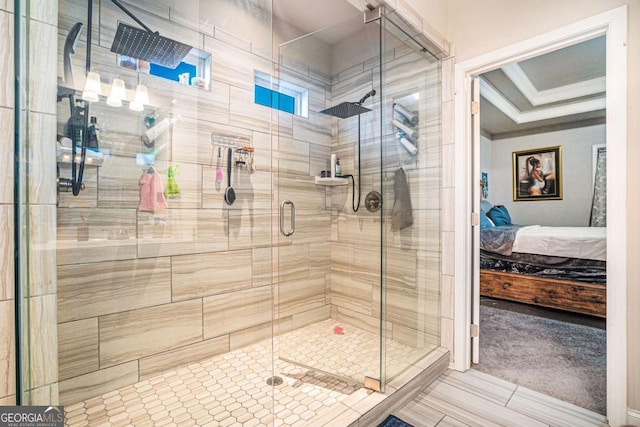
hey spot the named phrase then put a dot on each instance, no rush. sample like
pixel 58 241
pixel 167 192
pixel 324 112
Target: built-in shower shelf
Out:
pixel 331 182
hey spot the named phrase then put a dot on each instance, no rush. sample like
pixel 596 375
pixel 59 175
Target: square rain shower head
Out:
pixel 148 46
pixel 346 110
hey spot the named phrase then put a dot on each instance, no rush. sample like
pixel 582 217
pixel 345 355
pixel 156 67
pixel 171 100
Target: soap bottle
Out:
pixel 172 189
pixel 94 132
pixel 338 168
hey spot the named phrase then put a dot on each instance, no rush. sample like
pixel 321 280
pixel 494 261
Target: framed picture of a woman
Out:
pixel 537 174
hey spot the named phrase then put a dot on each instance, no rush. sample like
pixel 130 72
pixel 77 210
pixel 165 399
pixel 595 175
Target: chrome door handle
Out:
pixel 293 218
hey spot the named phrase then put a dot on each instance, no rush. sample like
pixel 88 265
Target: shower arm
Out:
pixel 132 16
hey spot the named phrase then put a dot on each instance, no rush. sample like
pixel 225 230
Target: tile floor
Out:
pixel 232 389
pixel 474 398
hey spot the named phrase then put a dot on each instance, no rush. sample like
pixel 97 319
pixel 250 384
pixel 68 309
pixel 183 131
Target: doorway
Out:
pixel 613 25
pixel 549 111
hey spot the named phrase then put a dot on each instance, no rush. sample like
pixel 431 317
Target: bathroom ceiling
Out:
pixel 315 16
pixel 558 90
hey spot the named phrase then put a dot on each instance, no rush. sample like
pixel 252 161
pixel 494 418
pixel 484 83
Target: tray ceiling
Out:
pixel 558 90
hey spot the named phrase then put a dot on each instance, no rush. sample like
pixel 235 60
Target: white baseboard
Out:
pixel 633 417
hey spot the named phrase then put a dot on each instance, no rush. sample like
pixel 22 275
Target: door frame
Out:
pixel 613 24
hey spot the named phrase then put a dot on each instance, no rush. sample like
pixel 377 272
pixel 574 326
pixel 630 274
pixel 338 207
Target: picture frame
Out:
pixel 537 174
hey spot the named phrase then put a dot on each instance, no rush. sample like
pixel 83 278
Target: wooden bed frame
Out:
pixel 577 297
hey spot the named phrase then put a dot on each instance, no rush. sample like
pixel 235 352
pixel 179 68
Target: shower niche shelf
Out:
pixel 331 182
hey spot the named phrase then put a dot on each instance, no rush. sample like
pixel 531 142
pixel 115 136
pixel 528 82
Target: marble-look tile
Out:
pixel 45 11
pixel 553 411
pixel 182 231
pixel 249 229
pixel 197 141
pixel 96 383
pixel 6 63
pixel 77 348
pixel 110 234
pixel 233 66
pixel 45 395
pixel 248 336
pixel 6 145
pixel 189 179
pixel 314 129
pixel 448 209
pixel 42 82
pixel 447 296
pixel 232 39
pixel 448 129
pixel 6 253
pixel 448 254
pixel 42 158
pixel 245 113
pixel 6 5
pixel 89 290
pixel 310 316
pixel 308 197
pixel 43 339
pixel 8 400
pixel 293 262
pixel 472 409
pixel 253 190
pixel 420 336
pixel 160 363
pixel 42 257
pixel 235 311
pixel 261 265
pixel 118 186
pixel 320 257
pixel 140 333
pixel 420 413
pixel 351 292
pixel 7 350
pixel 489 387
pixel 446 334
pixel 292 156
pixel 448 79
pixel 298 296
pixel 362 321
pixel 200 275
pixel 424 188
pixel 88 197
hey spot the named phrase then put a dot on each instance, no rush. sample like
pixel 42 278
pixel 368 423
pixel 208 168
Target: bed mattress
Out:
pixel 573 242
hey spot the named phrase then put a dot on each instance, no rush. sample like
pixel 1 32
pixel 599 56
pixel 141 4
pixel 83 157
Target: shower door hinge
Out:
pixel 475 219
pixel 475 107
pixel 371 15
pixel 475 330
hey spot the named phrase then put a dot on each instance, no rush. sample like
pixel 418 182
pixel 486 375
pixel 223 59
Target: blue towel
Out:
pixel 402 215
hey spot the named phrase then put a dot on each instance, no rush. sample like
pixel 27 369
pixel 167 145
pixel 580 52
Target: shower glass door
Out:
pixel 327 278
pixel 358 263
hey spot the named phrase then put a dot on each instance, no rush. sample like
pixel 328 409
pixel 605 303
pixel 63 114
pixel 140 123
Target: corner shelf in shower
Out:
pixel 331 182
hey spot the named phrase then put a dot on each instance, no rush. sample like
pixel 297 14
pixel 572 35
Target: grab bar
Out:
pixel 293 218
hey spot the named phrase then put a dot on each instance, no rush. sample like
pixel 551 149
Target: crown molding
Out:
pixel 563 93
pixel 497 99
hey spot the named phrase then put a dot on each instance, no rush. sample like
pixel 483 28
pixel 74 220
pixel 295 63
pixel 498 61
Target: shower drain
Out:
pixel 274 381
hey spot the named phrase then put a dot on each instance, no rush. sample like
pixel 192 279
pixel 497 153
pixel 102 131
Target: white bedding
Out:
pixel 573 242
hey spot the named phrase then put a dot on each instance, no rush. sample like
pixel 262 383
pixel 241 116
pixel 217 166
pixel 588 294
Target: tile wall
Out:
pixel 148 292
pixel 39 367
pixel 7 301
pixel 151 291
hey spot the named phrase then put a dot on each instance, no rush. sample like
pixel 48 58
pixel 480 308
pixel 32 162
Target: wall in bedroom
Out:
pixel 574 208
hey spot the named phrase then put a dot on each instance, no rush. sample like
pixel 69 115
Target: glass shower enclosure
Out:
pixel 186 238
pixel 361 260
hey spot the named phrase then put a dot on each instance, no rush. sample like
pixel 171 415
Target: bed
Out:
pixel 557 267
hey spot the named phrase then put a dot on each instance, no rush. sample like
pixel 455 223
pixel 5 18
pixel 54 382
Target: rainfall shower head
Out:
pixel 349 109
pixel 148 46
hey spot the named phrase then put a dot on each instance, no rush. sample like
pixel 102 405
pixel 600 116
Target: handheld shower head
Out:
pixel 70 45
pixel 369 94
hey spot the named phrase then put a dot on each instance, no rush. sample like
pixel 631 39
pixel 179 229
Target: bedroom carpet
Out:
pixel 565 360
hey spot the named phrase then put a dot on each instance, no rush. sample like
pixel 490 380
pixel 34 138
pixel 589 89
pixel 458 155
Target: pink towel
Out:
pixel 152 193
